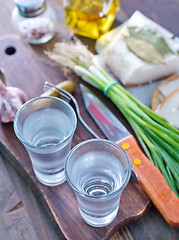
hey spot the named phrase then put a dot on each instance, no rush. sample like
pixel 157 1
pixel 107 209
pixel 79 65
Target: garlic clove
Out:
pixel 11 99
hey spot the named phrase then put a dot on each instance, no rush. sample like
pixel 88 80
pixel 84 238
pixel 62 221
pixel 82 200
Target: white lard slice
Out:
pixel 130 69
pixel 137 19
pixel 169 108
pixel 166 89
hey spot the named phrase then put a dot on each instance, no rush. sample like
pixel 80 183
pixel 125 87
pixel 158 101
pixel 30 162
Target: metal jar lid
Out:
pixel 30 8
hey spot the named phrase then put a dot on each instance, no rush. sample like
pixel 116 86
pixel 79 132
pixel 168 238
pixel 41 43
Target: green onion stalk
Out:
pixel 159 140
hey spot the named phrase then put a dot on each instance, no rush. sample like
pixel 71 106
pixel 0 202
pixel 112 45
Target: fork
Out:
pixel 66 96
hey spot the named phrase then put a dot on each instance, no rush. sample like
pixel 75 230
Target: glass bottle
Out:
pixel 34 20
pixel 90 18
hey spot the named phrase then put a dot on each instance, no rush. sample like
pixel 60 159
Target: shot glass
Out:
pixel 98 171
pixel 45 126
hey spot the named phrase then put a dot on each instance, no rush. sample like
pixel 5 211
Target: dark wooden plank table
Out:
pixel 21 213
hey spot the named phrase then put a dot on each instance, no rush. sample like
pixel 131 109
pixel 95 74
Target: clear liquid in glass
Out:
pixel 99 179
pixel 46 130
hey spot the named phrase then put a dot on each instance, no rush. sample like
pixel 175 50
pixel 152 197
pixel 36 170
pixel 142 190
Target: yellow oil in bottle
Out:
pixel 91 18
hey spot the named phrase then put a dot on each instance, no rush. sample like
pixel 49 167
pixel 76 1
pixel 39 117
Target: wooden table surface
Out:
pixel 27 219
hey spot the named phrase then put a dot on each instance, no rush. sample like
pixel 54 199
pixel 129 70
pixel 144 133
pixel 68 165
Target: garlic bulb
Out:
pixel 11 99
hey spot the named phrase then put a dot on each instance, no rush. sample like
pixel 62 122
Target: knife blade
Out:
pixel 151 180
pixel 104 118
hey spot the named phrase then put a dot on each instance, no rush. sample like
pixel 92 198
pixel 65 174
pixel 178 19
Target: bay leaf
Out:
pixel 151 36
pixel 144 50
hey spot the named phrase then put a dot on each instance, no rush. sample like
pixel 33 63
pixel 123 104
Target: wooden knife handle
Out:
pixel 153 182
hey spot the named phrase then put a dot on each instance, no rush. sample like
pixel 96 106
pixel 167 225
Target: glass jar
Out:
pixel 34 20
pixel 90 18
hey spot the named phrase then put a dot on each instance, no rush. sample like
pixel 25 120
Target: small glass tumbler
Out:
pixel 98 171
pixel 45 126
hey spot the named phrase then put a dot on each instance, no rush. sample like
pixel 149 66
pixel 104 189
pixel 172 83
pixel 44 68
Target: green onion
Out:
pixel 159 140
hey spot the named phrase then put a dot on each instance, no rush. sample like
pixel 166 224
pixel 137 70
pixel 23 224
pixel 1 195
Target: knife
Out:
pixel 150 178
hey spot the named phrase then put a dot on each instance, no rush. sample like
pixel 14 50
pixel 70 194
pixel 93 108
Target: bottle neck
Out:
pixel 30 12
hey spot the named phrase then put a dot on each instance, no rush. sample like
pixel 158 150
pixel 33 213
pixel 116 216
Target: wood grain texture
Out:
pixel 164 12
pixel 153 183
pixel 14 221
pixel 152 226
pixel 32 207
pixel 25 70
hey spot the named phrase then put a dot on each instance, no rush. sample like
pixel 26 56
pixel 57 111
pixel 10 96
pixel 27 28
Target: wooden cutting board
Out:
pixel 23 68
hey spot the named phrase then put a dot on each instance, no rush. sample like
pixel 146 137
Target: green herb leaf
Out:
pixel 144 50
pixel 152 37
